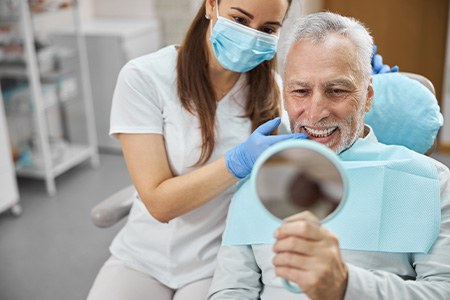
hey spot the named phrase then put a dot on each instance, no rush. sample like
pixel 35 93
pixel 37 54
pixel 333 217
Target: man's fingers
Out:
pixel 305 229
pixel 295 245
pixel 304 215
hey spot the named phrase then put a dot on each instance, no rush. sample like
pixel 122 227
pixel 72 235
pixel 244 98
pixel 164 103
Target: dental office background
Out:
pixel 409 33
pixel 413 34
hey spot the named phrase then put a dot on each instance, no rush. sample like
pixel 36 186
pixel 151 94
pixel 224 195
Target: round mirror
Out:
pixel 301 176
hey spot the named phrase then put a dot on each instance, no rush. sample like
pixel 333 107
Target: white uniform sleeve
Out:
pixel 432 269
pixel 136 107
pixel 237 275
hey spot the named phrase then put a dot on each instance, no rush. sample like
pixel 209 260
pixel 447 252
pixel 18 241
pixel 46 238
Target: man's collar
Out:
pixel 369 134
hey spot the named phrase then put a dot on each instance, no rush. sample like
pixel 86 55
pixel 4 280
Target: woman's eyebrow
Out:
pixel 252 16
pixel 244 12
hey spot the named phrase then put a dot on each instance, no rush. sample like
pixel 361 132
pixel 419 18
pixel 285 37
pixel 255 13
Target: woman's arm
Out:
pixel 167 196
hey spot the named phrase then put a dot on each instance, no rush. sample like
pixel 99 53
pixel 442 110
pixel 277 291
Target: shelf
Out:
pixel 9 19
pixel 14 17
pixel 72 99
pixel 73 155
pixel 50 158
pixel 55 94
pixel 39 11
pixel 19 71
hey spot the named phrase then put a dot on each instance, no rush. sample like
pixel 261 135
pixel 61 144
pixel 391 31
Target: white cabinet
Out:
pixel 45 90
pixel 9 195
pixel 110 44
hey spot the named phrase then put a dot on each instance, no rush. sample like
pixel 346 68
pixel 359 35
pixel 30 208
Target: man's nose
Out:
pixel 318 108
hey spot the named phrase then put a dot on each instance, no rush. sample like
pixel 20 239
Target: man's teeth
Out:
pixel 319 133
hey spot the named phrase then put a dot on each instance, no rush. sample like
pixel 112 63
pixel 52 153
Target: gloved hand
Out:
pixel 240 159
pixel 377 64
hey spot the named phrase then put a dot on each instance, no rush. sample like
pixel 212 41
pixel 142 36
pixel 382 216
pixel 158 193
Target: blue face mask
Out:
pixel 240 48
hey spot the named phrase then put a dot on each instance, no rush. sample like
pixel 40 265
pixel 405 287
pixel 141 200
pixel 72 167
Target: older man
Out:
pixel 327 91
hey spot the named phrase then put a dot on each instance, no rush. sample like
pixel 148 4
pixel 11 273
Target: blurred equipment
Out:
pixel 110 44
pixel 41 89
pixel 9 198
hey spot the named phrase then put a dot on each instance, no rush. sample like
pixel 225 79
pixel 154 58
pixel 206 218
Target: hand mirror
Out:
pixel 299 175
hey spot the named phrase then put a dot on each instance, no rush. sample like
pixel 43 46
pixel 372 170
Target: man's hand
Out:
pixel 308 254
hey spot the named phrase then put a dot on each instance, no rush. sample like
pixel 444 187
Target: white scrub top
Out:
pixel 146 101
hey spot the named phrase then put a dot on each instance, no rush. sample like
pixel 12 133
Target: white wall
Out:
pixel 48 22
pixel 311 6
pixel 121 8
pixel 174 15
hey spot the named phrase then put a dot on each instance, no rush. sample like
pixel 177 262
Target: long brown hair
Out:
pixel 197 94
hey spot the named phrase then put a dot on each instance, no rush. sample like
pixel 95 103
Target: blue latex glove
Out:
pixel 377 64
pixel 240 159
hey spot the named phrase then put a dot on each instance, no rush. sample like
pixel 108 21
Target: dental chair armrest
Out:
pixel 114 208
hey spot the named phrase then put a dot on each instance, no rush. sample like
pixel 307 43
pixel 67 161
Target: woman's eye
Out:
pixel 240 20
pixel 269 30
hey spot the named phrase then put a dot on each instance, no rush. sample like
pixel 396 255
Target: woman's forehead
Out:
pixel 262 10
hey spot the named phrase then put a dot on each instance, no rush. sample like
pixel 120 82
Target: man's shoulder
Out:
pixel 395 151
pixel 442 169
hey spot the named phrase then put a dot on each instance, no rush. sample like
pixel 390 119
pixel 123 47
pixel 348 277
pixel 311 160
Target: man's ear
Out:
pixel 370 96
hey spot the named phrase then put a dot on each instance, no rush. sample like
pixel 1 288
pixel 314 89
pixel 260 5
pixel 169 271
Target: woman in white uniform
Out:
pixel 183 116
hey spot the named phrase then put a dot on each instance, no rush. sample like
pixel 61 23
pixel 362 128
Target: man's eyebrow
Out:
pixel 252 16
pixel 341 82
pixel 295 83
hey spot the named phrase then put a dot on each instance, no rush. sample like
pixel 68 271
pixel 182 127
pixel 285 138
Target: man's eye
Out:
pixel 337 92
pixel 300 92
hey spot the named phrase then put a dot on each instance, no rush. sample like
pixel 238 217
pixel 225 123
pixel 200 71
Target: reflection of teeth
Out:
pixel 319 133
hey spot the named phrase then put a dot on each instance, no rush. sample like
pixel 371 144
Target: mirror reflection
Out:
pixel 298 179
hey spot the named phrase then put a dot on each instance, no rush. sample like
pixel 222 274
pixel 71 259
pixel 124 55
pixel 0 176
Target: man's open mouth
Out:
pixel 319 133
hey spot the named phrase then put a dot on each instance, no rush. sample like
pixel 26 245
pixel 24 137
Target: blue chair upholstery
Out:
pixel 400 103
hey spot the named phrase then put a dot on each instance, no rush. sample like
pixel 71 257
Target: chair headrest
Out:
pixel 404 112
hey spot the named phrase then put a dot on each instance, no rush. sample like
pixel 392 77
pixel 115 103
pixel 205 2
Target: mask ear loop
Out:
pixel 217 9
pixel 217 14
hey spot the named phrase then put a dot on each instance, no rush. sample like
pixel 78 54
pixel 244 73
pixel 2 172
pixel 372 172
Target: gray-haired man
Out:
pixel 327 91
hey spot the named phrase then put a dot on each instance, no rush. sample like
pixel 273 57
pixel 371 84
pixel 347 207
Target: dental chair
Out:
pixel 404 112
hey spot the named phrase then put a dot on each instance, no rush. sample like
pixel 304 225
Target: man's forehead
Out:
pixel 322 64
pixel 331 50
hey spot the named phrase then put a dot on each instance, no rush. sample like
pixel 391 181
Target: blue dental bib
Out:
pixel 393 203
